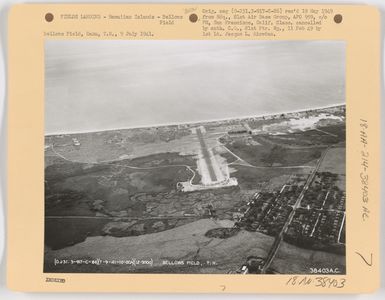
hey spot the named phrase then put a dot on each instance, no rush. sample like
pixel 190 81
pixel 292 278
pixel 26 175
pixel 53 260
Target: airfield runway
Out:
pixel 206 156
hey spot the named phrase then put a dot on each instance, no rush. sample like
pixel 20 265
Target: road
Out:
pixel 279 237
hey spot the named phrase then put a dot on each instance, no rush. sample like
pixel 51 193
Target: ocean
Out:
pixel 93 85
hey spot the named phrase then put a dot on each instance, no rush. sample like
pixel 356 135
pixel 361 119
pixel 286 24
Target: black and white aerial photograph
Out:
pixel 195 157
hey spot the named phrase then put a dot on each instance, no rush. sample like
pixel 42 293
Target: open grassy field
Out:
pixel 294 260
pixel 187 242
pixel 334 161
pixel 105 146
pixel 249 177
pixel 266 155
pixel 117 194
pixel 321 136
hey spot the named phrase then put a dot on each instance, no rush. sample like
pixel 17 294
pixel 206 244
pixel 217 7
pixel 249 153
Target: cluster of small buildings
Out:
pixel 317 226
pixel 319 216
pixel 269 211
pixel 324 194
pixel 75 142
pixel 241 129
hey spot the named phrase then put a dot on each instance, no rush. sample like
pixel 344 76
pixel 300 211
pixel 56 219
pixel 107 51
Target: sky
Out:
pixel 93 85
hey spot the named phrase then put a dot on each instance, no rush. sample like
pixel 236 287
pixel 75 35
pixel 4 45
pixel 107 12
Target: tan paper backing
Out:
pixel 25 246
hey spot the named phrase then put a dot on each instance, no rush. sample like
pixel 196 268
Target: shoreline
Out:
pixel 193 122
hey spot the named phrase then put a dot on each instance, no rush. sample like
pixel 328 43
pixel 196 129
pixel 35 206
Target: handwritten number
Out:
pixel 363 258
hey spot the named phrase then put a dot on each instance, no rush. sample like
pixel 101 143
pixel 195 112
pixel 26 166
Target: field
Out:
pixel 189 243
pixel 121 194
pixel 294 260
pixel 335 161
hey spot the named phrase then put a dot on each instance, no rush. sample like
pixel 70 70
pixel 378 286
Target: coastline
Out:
pixel 193 122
